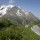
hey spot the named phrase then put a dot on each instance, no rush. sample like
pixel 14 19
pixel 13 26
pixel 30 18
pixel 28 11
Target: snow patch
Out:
pixel 18 13
pixel 23 10
pixel 36 29
pixel 4 8
pixel 26 13
pixel 26 26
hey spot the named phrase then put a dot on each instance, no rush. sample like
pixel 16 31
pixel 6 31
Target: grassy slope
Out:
pixel 30 35
pixel 36 23
pixel 27 33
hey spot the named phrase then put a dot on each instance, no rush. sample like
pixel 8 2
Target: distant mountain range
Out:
pixel 16 15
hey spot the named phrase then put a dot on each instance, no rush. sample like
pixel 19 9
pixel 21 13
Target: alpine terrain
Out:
pixel 17 24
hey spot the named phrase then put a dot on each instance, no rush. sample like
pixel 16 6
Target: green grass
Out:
pixel 17 32
pixel 36 23
pixel 30 35
pixel 27 33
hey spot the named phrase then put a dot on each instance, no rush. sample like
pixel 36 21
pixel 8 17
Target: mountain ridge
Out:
pixel 17 15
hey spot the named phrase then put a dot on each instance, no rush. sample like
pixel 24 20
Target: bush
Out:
pixel 5 23
pixel 12 32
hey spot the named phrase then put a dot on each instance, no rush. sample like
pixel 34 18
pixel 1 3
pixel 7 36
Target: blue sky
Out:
pixel 28 5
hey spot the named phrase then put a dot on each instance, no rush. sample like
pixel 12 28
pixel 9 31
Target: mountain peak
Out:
pixel 16 14
pixel 4 8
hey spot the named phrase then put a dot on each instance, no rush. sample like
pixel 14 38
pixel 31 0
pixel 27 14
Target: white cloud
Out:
pixel 19 7
pixel 11 1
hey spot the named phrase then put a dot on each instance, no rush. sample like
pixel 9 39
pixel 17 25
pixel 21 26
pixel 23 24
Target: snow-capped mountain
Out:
pixel 16 15
pixel 4 8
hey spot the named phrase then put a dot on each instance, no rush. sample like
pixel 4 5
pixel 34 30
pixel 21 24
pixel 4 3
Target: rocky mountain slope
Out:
pixel 17 15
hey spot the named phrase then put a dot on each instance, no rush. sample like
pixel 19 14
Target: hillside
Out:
pixel 9 31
